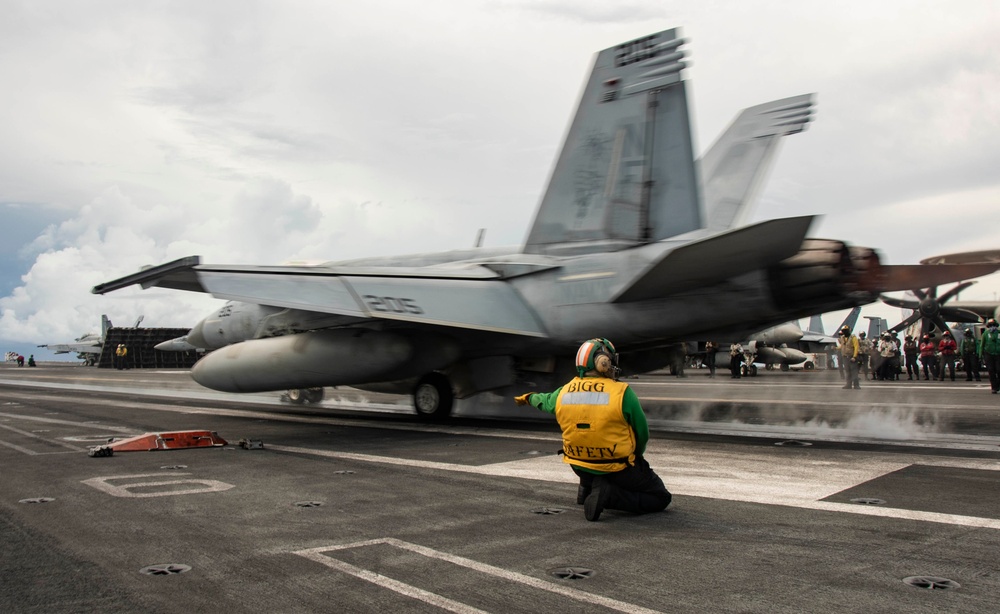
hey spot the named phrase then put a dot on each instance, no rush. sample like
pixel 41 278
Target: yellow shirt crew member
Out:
pixel 604 433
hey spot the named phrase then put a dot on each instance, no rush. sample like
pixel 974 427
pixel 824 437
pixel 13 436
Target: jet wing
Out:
pixel 176 274
pixel 468 297
pixel 720 257
pixel 65 348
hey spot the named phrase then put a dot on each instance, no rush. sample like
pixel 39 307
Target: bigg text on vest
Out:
pixel 585 386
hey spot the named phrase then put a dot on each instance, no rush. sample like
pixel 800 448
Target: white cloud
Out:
pixel 261 132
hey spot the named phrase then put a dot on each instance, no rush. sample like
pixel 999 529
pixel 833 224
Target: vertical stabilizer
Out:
pixel 851 320
pixel 734 169
pixel 626 172
pixel 105 325
pixel 876 326
pixel 816 324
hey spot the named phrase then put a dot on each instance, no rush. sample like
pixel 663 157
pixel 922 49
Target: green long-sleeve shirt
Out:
pixel 989 343
pixel 631 409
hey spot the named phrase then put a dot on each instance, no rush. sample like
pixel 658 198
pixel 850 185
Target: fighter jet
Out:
pixel 87 346
pixel 619 248
pixel 732 173
pixel 772 347
pixel 787 345
pixel 769 347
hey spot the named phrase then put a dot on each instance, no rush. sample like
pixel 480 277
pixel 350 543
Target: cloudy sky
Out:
pixel 135 133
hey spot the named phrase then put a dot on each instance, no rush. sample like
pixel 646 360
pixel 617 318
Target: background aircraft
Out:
pixel 770 347
pixel 933 312
pixel 619 248
pixel 87 346
pixel 787 345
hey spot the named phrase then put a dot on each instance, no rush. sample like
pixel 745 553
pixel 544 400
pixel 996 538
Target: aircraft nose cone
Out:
pixel 180 344
pixel 196 336
pixel 789 332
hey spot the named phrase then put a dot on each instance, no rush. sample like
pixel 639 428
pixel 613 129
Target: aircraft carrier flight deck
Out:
pixel 790 495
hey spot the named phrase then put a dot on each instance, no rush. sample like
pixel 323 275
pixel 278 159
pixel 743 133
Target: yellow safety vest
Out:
pixel 595 433
pixel 849 346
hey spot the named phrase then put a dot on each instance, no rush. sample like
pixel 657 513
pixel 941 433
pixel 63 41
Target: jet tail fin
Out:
pixel 876 326
pixel 105 325
pixel 626 172
pixel 851 320
pixel 734 169
pixel 816 324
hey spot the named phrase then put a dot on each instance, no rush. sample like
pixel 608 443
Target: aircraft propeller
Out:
pixel 930 309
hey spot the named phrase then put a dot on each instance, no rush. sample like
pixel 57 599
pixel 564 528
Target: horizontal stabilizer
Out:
pixel 709 261
pixel 899 277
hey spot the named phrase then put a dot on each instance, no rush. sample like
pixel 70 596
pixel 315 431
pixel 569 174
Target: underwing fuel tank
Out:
pixel 322 358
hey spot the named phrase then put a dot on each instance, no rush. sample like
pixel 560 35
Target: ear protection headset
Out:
pixel 597 355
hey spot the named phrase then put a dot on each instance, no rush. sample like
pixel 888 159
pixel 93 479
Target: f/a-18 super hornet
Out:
pixel 88 347
pixel 620 247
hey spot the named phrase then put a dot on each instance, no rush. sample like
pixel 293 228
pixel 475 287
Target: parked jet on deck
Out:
pixel 88 347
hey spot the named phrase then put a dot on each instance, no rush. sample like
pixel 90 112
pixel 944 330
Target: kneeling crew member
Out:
pixel 604 434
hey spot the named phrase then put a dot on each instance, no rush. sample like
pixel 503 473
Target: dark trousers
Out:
pixel 930 366
pixel 948 362
pixel 710 362
pixel 912 367
pixel 635 489
pixel 971 363
pixel 993 368
pixel 735 362
pixel 852 367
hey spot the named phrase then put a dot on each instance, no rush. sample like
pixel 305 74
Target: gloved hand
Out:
pixel 523 399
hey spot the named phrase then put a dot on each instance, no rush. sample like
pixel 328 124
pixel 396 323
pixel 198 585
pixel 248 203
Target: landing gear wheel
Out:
pixel 432 397
pixel 296 396
pixel 314 395
pixel 785 366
